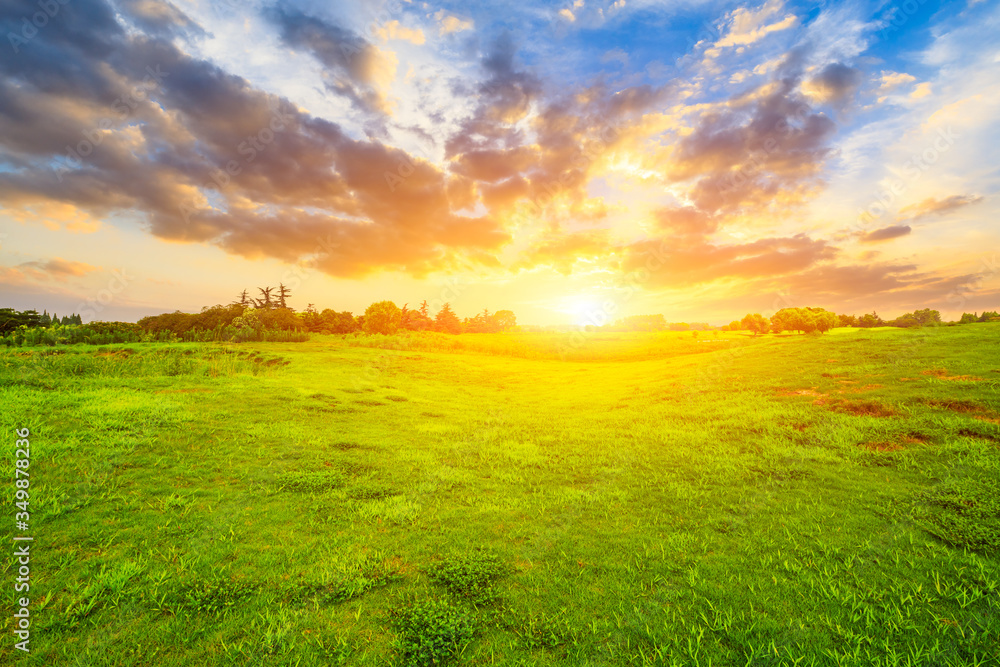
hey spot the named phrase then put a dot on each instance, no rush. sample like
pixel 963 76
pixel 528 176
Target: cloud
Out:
pixel 54 269
pixel 504 98
pixel 934 206
pixel 160 18
pixel 835 83
pixel 886 233
pixel 683 265
pixel 686 220
pixel 448 24
pixel 922 90
pixel 753 157
pixel 206 157
pixel 394 30
pixel 889 80
pixel 568 15
pixel 747 26
pixel 563 251
pixel 355 68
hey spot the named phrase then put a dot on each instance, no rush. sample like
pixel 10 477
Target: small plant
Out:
pixel 471 576
pixel 214 596
pixel 431 632
pixel 314 480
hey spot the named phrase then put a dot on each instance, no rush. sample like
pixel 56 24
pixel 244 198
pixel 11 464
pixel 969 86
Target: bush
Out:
pixel 431 632
pixel 470 576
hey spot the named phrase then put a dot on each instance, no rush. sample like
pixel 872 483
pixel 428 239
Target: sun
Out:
pixel 584 309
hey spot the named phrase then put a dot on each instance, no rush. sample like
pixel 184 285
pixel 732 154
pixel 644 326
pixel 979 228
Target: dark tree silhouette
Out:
pixel 265 302
pixel 283 294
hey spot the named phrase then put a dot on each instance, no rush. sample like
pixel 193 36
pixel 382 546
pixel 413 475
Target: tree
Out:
pixel 447 321
pixel 505 320
pixel 382 317
pixel 45 320
pixel 918 318
pixel 734 325
pixel 265 302
pixel 338 323
pixel 481 323
pixel 283 294
pixel 847 321
pixel 869 320
pixel 245 299
pixel 416 320
pixel 825 321
pixel 756 323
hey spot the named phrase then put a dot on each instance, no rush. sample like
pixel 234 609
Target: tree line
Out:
pixel 11 319
pixel 272 311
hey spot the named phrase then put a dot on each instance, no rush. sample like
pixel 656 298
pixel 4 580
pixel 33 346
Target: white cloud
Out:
pixel 448 24
pixel 748 26
pixel 393 30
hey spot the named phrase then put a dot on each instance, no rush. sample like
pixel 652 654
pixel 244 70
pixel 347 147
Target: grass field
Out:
pixel 634 499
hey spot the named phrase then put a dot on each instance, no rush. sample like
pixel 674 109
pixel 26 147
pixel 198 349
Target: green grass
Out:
pixel 537 499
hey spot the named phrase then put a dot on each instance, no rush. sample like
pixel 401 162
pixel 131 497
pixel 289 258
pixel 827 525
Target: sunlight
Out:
pixel 583 308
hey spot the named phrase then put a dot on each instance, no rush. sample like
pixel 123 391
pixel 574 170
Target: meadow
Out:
pixel 513 499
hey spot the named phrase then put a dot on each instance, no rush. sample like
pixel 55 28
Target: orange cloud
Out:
pixel 934 206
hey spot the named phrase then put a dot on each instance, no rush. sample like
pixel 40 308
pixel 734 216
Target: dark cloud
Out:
pixel 503 98
pixel 834 84
pixel 160 18
pixel 762 153
pixel 886 233
pixel 355 68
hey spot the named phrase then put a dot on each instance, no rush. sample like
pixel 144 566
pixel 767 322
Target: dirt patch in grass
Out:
pixel 859 390
pixel 818 395
pixel 864 408
pixel 955 405
pixel 942 374
pixel 398 399
pixel 344 445
pixel 369 401
pixel 969 433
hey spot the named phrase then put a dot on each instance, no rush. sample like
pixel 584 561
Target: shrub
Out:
pixel 432 631
pixel 470 576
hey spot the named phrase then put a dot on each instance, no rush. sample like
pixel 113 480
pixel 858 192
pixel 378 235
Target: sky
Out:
pixel 574 162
